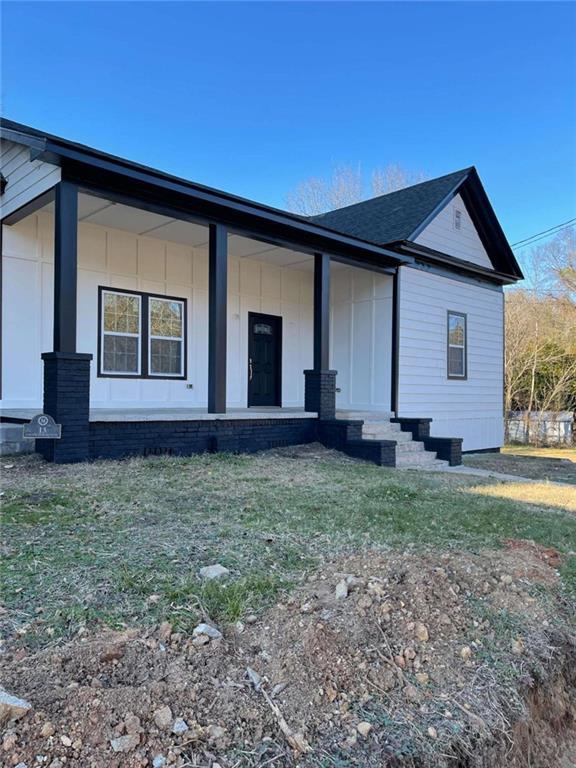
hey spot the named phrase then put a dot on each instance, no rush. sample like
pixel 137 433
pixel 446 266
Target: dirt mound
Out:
pixel 400 660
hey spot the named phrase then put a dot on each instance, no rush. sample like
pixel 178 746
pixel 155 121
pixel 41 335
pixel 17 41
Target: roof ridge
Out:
pixel 464 172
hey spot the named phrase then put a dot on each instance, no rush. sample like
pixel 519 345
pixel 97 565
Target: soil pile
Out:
pixel 399 660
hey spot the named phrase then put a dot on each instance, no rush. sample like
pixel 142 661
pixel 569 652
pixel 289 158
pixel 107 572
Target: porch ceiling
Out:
pixel 104 213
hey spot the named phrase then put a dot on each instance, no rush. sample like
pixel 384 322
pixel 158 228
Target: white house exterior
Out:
pixel 201 311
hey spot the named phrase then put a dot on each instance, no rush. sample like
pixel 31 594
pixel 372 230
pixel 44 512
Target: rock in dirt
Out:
pixel 159 761
pixel 432 732
pixel 215 571
pixel 163 717
pixel 125 743
pixel 48 730
pixel 9 742
pixel 364 728
pixel 421 632
pixel 11 707
pixel 341 590
pixel 112 652
pixel 208 630
pixel 466 652
pixel 180 726
pixel 217 736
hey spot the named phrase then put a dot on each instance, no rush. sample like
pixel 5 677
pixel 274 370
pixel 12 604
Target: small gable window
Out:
pixel 457 345
pixel 457 218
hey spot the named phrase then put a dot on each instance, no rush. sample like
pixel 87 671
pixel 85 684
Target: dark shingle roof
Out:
pixel 395 216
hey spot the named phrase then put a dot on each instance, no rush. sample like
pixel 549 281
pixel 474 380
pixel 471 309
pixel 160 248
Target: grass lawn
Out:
pixel 120 543
pixel 555 464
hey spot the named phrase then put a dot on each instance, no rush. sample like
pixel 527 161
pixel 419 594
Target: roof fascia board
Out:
pixel 18 137
pixel 458 265
pixel 295 231
pixel 60 154
pixel 487 225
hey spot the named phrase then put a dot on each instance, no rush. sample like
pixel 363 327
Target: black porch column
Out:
pixel 217 318
pixel 320 382
pixel 66 372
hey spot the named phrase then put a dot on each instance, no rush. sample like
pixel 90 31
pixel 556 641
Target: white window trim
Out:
pixel 169 338
pixel 463 346
pixel 104 333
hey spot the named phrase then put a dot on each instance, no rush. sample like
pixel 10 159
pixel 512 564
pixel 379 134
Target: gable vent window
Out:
pixel 141 335
pixel 457 345
pixel 457 219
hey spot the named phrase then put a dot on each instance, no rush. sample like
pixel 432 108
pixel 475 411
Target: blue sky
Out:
pixel 254 97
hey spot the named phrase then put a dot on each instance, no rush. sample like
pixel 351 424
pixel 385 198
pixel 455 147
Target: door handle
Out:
pixel 250 372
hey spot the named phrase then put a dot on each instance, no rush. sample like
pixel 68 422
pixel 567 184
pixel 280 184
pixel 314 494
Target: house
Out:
pixel 149 314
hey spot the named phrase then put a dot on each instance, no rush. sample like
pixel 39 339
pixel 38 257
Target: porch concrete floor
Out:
pixel 173 414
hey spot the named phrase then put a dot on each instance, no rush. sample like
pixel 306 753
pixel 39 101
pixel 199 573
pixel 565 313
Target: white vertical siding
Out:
pixel 26 179
pixel 471 409
pixel 118 259
pixel 361 338
pixel 464 243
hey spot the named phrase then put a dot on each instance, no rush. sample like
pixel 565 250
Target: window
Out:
pixel 120 333
pixel 457 343
pixel 166 333
pixel 457 219
pixel 141 335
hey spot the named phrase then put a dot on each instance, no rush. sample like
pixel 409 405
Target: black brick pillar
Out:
pixel 67 400
pixel 320 393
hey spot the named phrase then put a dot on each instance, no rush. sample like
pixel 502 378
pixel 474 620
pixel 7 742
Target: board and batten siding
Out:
pixel 361 338
pixel 118 259
pixel 26 178
pixel 471 408
pixel 464 243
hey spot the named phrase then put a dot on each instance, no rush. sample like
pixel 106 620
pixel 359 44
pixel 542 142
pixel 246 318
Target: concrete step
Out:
pixel 426 460
pixel 12 442
pixel 386 434
pixel 411 447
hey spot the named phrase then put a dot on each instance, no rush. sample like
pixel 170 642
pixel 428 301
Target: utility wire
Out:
pixel 542 237
pixel 545 232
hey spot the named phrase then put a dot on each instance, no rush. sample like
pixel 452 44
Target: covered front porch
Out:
pixel 163 302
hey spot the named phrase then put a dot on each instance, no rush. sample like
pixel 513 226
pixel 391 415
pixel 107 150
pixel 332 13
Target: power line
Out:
pixel 545 232
pixel 542 237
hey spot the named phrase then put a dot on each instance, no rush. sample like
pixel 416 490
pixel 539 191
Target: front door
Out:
pixel 264 359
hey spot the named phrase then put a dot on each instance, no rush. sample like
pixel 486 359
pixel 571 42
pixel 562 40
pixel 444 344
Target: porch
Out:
pixel 150 300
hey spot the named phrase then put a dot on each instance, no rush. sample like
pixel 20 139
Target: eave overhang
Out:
pixel 430 256
pixel 118 179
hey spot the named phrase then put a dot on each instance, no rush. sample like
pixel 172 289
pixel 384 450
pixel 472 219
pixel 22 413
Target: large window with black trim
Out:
pixel 141 335
pixel 457 345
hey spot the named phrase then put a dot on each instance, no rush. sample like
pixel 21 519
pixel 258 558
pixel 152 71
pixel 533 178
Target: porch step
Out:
pixel 12 442
pixel 410 454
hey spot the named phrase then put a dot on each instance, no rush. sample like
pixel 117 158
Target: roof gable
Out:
pixel 404 215
pixel 452 232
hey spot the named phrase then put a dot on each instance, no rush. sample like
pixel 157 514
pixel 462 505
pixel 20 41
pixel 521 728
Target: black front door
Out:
pixel 264 359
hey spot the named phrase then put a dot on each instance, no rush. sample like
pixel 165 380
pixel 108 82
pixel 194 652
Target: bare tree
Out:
pixel 346 186
pixel 392 177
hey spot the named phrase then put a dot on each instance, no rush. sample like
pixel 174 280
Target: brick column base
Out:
pixel 320 393
pixel 67 400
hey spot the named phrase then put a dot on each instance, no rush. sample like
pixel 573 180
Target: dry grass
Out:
pixel 546 464
pixel 120 543
pixel 544 453
pixel 543 494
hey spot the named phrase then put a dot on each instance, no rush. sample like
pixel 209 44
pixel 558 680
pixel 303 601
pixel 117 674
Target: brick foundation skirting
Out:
pixel 116 440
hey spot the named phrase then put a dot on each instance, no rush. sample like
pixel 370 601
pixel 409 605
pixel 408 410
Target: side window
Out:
pixel 457 345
